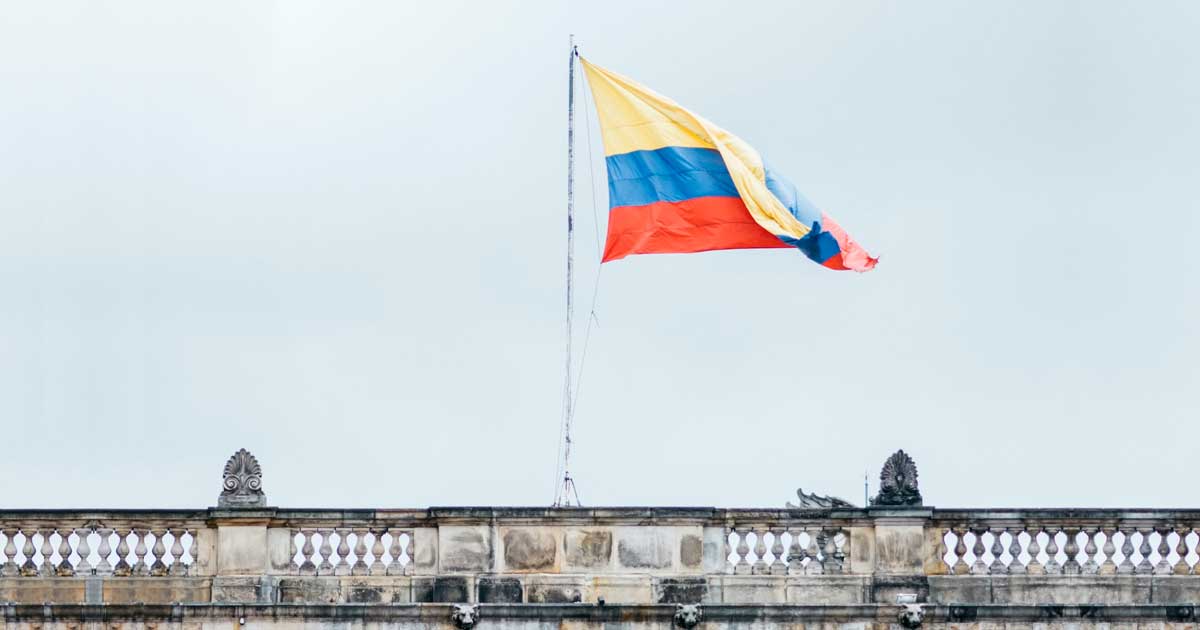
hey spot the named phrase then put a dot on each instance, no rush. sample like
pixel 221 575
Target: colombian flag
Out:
pixel 678 183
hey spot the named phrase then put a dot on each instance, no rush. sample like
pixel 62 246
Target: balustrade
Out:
pixel 1068 548
pixel 810 549
pixel 62 549
pixel 352 551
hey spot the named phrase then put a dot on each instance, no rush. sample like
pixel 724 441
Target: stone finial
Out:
pixel 464 616
pixel 688 615
pixel 243 482
pixel 898 482
pixel 911 615
pixel 817 502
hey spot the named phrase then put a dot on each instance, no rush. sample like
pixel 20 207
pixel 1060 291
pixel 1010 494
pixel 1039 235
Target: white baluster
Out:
pixel 408 553
pixel 1015 566
pixel 343 552
pixel 307 567
pixel 360 551
pixel 396 551
pixel 326 565
pixel 84 550
pixel 177 565
pixel 64 568
pixel 159 566
pixel 8 564
pixel 123 569
pixel 1091 567
pixel 139 551
pixel 960 551
pixel 1109 566
pixel 760 551
pixel 1071 566
pixel 1052 565
pixel 816 563
pixel 998 566
pixel 378 566
pixel 1126 566
pixel 833 557
pixel 47 563
pixel 29 567
pixel 778 566
pixel 1035 549
pixel 104 550
pixel 743 552
pixel 1164 551
pixel 980 566
pixel 1181 550
pixel 795 559
pixel 1145 566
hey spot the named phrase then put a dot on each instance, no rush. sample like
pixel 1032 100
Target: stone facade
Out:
pixel 823 563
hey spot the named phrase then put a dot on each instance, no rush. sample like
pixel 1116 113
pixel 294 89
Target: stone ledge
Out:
pixel 440 613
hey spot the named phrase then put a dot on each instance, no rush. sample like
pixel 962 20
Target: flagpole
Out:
pixel 566 492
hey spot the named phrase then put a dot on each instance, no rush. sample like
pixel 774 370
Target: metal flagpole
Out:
pixel 566 493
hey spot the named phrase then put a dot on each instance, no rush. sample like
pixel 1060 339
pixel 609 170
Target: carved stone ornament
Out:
pixel 911 615
pixel 243 482
pixel 817 502
pixel 464 616
pixel 898 482
pixel 688 615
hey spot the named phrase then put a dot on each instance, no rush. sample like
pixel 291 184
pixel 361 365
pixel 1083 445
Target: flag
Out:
pixel 678 183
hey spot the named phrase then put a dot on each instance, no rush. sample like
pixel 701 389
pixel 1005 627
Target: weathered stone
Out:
pixel 493 590
pixel 715 559
pixel 239 590
pixel 886 588
pixel 242 549
pixel 623 588
pixel 644 548
pixel 691 550
pixel 587 548
pixel 465 549
pixel 441 590
pixel 364 594
pixel 528 549
pixel 900 548
pixel 554 594
pixel 680 590
pixel 309 590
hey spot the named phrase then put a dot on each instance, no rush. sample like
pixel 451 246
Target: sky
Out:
pixel 334 234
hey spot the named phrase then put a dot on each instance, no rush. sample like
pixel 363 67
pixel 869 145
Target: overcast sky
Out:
pixel 333 233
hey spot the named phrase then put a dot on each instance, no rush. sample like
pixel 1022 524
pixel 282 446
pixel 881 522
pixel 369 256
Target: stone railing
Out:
pixel 1068 542
pixel 121 544
pixel 822 554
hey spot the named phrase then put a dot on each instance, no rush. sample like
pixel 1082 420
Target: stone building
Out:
pixel 818 563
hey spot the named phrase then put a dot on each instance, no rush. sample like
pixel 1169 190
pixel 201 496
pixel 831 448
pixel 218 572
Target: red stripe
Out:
pixel 852 256
pixel 679 227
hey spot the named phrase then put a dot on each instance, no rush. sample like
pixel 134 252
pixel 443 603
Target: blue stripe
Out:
pixel 638 178
pixel 787 194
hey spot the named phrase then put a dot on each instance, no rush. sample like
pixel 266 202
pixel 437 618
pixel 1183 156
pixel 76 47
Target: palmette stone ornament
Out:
pixel 242 486
pixel 898 482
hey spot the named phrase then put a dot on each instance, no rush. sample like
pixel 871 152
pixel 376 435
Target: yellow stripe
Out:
pixel 629 123
pixel 634 118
